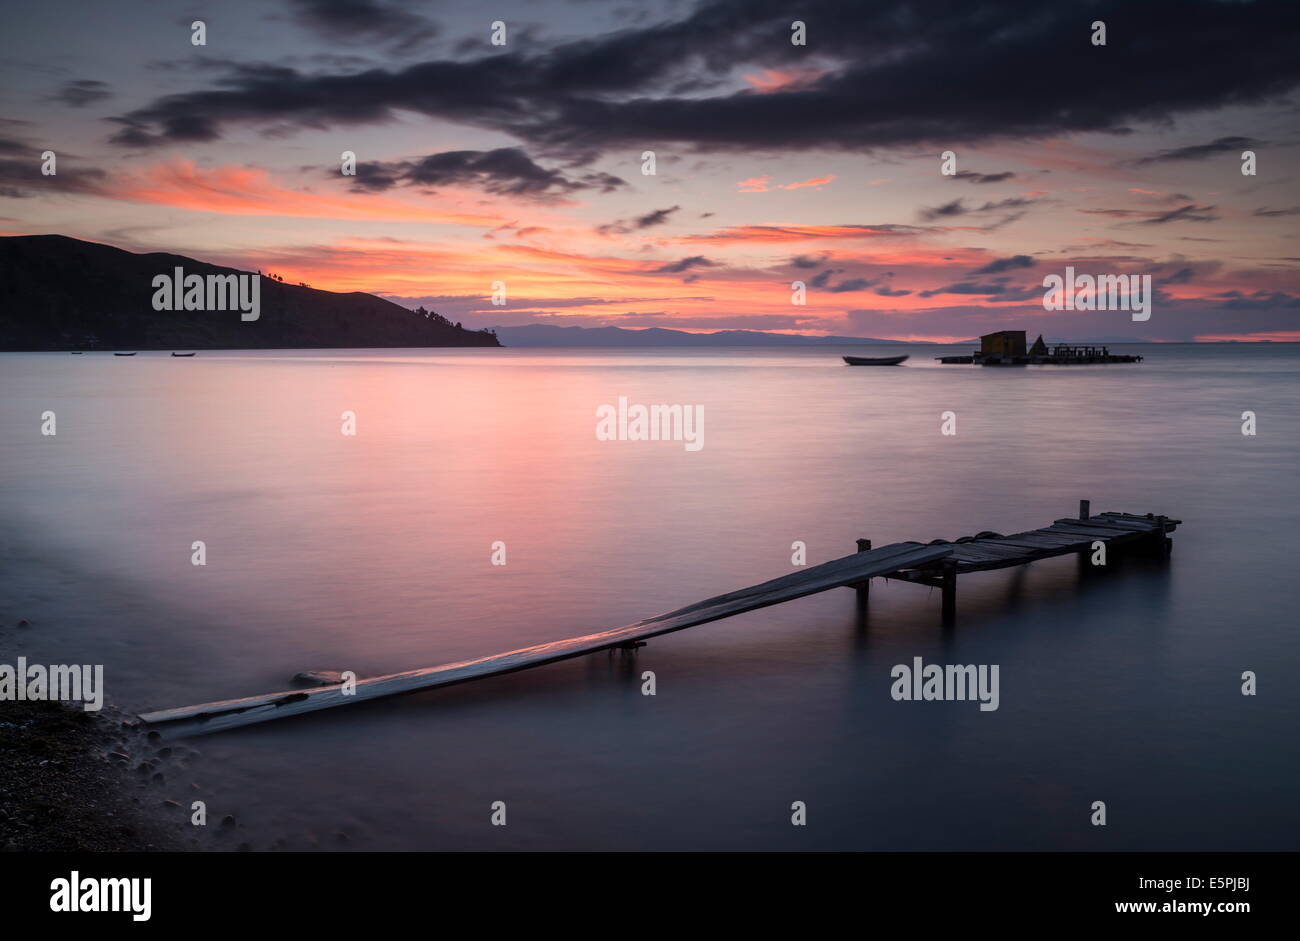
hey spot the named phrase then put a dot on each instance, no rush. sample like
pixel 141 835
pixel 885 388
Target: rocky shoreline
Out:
pixel 69 783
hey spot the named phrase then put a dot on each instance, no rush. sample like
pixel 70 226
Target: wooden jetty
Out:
pixel 937 564
pixel 986 551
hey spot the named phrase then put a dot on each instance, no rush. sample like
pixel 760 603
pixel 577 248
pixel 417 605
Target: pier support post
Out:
pixel 863 588
pixel 1085 564
pixel 1161 544
pixel 949 582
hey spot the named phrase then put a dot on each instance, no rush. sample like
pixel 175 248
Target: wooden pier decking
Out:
pixel 937 564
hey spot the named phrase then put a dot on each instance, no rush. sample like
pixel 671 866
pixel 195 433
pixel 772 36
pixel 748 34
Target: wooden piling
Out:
pixel 1085 561
pixel 949 581
pixel 1162 545
pixel 864 588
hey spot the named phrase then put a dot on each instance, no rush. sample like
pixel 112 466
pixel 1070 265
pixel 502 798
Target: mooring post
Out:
pixel 864 588
pixel 1085 509
pixel 949 580
pixel 1163 544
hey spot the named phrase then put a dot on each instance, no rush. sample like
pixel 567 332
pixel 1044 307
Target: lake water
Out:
pixel 373 553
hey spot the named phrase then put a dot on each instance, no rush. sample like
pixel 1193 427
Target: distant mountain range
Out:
pixel 551 335
pixel 60 293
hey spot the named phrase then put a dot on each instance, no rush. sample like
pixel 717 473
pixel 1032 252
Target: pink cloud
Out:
pixel 775 80
pixel 816 182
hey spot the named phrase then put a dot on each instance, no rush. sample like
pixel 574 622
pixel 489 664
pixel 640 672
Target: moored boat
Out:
pixel 873 361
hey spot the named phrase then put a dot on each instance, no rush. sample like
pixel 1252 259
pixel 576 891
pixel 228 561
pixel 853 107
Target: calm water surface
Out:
pixel 372 553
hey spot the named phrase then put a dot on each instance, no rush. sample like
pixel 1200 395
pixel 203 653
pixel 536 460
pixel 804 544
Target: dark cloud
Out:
pixel 650 219
pixel 1118 213
pixel 896 75
pixel 685 264
pixel 1234 145
pixel 80 93
pixel 822 281
pixel 954 208
pixel 1181 276
pixel 958 207
pixel 799 233
pixel 851 284
pixel 1005 264
pixel 997 288
pixel 803 261
pixel 1289 211
pixel 20 171
pixel 656 217
pixel 361 21
pixel 1188 213
pixel 973 177
pixel 506 170
pixel 1259 300
pixel 9 145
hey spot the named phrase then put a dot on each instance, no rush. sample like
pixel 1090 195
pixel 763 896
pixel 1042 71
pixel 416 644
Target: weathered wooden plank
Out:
pixel 216 716
pixel 1144 518
pixel 1100 523
pixel 1049 546
pixel 1036 548
pixel 989 565
pixel 1044 537
pixel 1048 538
pixel 1111 523
pixel 981 551
pixel 1094 531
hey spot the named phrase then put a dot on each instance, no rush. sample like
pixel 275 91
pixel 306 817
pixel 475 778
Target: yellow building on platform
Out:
pixel 1003 343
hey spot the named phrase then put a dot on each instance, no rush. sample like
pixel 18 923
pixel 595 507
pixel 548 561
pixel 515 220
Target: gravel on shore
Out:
pixel 70 781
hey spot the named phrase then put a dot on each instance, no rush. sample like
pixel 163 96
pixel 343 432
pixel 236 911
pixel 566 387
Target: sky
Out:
pixel 522 163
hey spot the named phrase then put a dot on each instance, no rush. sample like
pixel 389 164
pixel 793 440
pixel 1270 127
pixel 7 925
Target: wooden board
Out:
pixel 850 570
pixel 1148 518
pixel 1132 526
pixel 1096 532
pixel 1045 540
pixel 982 551
pixel 1036 546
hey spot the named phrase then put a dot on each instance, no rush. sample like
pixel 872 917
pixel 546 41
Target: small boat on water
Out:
pixel 174 353
pixel 124 354
pixel 876 361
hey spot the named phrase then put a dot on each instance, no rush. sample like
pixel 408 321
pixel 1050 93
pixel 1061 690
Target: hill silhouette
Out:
pixel 61 293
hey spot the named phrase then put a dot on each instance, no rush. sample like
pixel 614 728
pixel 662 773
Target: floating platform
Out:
pixel 1060 355
pixel 936 564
